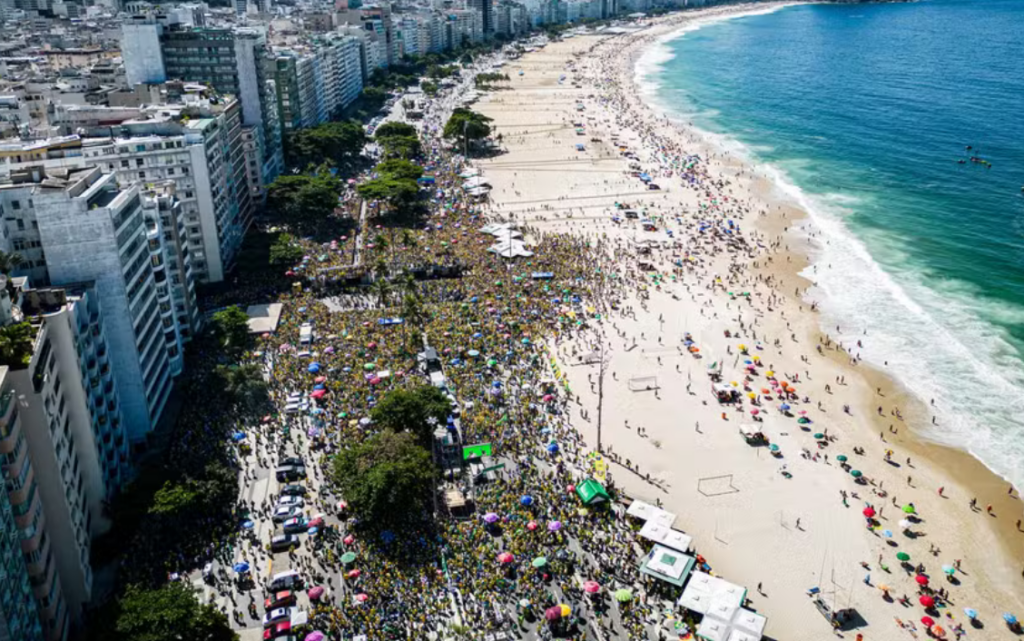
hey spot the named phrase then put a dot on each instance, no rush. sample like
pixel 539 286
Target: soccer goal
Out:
pixel 643 383
pixel 716 485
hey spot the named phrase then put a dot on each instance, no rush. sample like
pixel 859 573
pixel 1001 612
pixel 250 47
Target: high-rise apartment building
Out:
pixel 19 617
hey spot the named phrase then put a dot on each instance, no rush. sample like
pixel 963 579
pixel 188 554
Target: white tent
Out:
pixel 663 518
pixel 510 249
pixel 722 608
pixel 740 635
pixel 695 601
pixel 713 630
pixel 475 181
pixel 470 173
pixel 641 510
pixel 666 536
pixel 479 191
pixel 501 230
pixel 749 622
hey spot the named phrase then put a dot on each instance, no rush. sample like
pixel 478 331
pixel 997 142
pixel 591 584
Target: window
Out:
pixel 21 225
pixel 139 162
pixel 15 205
pixel 124 164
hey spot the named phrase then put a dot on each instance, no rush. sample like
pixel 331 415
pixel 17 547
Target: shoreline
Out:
pixel 932 463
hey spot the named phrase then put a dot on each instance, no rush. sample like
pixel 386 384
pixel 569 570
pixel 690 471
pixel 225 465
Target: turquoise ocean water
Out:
pixel 862 113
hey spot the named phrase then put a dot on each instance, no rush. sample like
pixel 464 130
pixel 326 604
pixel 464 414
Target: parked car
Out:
pixel 296 501
pixel 287 580
pixel 294 489
pixel 282 542
pixel 294 526
pixel 292 460
pixel 277 616
pixel 282 599
pixel 279 631
pixel 285 512
pixel 287 473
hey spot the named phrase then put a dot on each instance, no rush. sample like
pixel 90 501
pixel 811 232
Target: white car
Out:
pixel 277 616
pixel 290 501
pixel 286 512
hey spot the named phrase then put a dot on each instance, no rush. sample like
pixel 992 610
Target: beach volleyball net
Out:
pixel 643 383
pixel 716 485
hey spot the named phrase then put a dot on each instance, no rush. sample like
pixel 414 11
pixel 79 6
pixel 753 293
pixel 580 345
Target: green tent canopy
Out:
pixel 591 492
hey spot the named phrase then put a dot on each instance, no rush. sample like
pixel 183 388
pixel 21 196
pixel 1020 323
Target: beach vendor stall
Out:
pixel 725 393
pixel 590 492
pixel 753 435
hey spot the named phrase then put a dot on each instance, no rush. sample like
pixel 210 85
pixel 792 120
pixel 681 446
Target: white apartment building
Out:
pixel 91 230
pixel 201 149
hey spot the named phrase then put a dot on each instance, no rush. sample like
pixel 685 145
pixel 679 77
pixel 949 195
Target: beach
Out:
pixel 733 265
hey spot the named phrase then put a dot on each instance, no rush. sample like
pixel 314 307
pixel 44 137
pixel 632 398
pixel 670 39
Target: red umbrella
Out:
pixel 531 526
pixel 921 579
pixel 869 512
pixel 505 557
pixel 316 592
pixel 927 622
pixel 926 601
pixel 591 587
pixel 349 540
pixel 553 613
pixel 354 574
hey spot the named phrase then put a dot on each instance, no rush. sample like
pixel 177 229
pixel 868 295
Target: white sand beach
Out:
pixel 754 525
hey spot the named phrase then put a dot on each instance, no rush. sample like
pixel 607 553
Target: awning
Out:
pixel 668 565
pixel 591 492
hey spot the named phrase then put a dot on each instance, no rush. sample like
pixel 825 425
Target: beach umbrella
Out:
pixel 566 610
pixel 317 522
pixel 819 436
pixel 868 512
pixel 362 598
pixel 971 613
pixel 1009 618
pixel 320 379
pixel 948 569
pixel 553 613
pixel 887 534
pixel 842 458
pixel 354 574
pixel 238 436
pixel 773 447
pixel 490 517
pixel 927 622
pixel 524 603
pixel 554 526
pixel 553 448
pixel 623 595
pixel 349 540
pixel 342 505
pixel 312 530
pixel 539 562
pixel 316 592
pixel 921 579
pixel 313 368
pixel 248 525
pixel 348 557
pixel 591 587
pixel 803 420
pixel 938 631
pixel 240 567
pixel 905 524
pixel 526 500
pixel 505 558
pixel 856 474
pixel 926 601
pixel 903 556
pixel 531 526
pixel 755 411
pixel 908 509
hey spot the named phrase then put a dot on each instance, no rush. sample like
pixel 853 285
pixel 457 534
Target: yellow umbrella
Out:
pixel 735 384
pixel 769 373
pixel 566 610
pixel 751 395
pixel 742 347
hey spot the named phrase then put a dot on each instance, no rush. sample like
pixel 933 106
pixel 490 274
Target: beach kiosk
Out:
pixel 590 492
pixel 668 565
pixel 753 435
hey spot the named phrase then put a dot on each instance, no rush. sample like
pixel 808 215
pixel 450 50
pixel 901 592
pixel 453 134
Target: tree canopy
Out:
pixel 387 479
pixel 400 169
pixel 411 410
pixel 302 201
pixel 398 140
pixel 231 327
pixel 339 142
pixel 285 251
pixel 467 126
pixel 16 342
pixel 245 385
pixel 170 613
pixel 393 128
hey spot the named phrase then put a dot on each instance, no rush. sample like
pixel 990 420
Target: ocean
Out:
pixel 863 114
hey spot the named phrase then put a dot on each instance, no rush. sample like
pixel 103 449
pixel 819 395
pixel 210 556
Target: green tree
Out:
pixel 393 128
pixel 10 262
pixel 387 479
pixel 466 126
pixel 340 142
pixel 245 385
pixel 16 342
pixel 402 147
pixel 382 288
pixel 231 327
pixel 410 410
pixel 400 169
pixel 169 613
pixel 302 201
pixel 396 193
pixel 285 250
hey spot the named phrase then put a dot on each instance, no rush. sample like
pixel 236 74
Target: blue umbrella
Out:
pixel 971 613
pixel 478 335
pixel 238 436
pixel 319 386
pixel 552 447
pixel 784 407
pixel 241 567
pixel 1009 618
pixel 526 500
pixel 312 530
pixel 248 525
pixel 887 534
pixel 313 368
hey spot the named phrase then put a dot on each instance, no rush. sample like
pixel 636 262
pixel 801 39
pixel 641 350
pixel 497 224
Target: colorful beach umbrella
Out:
pixel 539 562
pixel 591 587
pixel 842 458
pixel 903 556
pixel 868 512
pixel 926 601
pixel 623 595
pixel 856 474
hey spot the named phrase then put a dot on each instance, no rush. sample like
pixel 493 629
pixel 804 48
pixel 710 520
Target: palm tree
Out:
pixel 10 262
pixel 382 288
pixel 16 345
